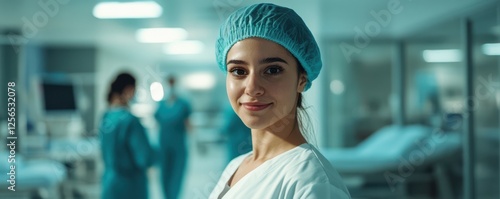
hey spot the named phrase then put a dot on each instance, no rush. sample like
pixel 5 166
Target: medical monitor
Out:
pixel 58 97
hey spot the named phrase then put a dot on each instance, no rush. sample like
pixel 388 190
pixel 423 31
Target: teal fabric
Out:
pixel 173 150
pixel 126 153
pixel 275 23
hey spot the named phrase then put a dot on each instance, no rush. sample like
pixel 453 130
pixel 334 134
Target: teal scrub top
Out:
pixel 171 118
pixel 126 153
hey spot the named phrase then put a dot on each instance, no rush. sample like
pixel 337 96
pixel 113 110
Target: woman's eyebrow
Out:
pixel 271 60
pixel 263 61
pixel 234 61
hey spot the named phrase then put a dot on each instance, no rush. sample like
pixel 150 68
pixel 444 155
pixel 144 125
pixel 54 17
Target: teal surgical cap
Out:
pixel 275 23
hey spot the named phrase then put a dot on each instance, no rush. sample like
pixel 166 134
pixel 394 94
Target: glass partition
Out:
pixel 434 92
pixel 486 85
pixel 359 92
pixel 434 74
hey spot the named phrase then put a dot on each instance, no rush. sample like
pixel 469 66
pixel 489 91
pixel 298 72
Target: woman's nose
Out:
pixel 254 85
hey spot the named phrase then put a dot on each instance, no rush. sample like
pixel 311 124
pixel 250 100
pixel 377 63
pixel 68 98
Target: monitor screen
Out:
pixel 59 97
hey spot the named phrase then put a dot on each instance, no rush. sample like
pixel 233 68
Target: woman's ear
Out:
pixel 302 82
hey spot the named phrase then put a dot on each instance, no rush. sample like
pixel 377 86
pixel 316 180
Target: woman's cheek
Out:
pixel 231 89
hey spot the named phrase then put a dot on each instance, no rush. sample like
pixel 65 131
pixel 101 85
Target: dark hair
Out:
pixel 303 119
pixel 120 83
pixel 300 70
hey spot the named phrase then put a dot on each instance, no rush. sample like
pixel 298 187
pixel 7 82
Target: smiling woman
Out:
pixel 270 58
pixel 262 82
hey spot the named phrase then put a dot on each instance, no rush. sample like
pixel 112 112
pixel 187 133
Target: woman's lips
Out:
pixel 255 106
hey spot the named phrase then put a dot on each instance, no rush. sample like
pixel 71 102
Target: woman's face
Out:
pixel 262 83
pixel 128 93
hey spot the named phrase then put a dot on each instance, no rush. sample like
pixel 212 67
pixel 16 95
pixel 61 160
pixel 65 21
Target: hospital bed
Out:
pixel 34 179
pixel 396 155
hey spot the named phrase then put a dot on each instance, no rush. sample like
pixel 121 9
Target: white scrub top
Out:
pixel 301 172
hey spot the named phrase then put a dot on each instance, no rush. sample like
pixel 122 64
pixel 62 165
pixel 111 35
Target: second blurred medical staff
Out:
pixel 172 116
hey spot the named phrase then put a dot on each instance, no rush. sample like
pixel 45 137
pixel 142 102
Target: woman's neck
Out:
pixel 116 101
pixel 268 144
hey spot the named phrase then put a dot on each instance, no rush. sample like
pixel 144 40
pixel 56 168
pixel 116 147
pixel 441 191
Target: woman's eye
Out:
pixel 237 72
pixel 274 70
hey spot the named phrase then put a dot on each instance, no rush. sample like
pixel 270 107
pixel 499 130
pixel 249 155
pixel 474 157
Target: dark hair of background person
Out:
pixel 119 84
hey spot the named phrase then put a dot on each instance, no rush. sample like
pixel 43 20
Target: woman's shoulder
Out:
pixel 310 165
pixel 308 158
pixel 311 170
pixel 122 114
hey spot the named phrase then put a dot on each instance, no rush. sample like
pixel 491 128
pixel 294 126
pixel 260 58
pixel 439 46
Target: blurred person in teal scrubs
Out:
pixel 237 134
pixel 172 116
pixel 126 151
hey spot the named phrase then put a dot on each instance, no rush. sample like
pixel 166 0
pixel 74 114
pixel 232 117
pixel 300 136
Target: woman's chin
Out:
pixel 256 123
